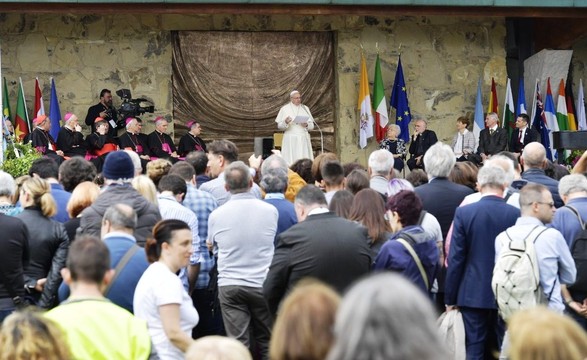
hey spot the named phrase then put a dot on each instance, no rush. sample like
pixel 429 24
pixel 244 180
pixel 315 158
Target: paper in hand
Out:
pixel 301 119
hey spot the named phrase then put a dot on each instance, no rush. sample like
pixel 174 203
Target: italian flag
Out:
pixel 379 103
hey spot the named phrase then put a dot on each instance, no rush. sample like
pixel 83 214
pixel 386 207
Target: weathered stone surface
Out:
pixel 442 57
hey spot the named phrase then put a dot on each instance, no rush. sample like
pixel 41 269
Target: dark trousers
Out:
pixel 210 322
pixel 484 331
pixel 413 165
pixel 245 307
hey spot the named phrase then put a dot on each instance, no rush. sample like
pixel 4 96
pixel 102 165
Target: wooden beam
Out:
pixel 558 34
pixel 290 9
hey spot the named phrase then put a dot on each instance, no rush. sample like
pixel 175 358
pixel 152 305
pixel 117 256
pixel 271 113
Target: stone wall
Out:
pixel 443 58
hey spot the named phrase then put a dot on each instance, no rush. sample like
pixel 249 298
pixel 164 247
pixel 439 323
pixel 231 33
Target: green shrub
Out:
pixel 18 158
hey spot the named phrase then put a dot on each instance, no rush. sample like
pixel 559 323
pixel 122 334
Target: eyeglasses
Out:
pixel 551 204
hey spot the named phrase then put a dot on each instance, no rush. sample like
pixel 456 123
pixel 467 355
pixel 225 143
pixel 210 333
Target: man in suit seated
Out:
pixel 523 135
pixel 422 140
pixel 492 139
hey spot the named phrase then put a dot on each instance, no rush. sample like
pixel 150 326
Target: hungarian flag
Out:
pixel 561 108
pixel 54 111
pixel 570 106
pixel 379 103
pixel 493 107
pixel 364 107
pixel 399 101
pixel 39 106
pixel 21 120
pixel 6 114
pixel 509 118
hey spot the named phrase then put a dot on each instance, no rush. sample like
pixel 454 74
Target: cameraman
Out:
pixel 104 110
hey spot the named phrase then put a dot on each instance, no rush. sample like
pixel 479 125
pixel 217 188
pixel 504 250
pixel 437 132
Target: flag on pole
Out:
pixel 550 116
pixel 521 106
pixel 39 105
pixel 54 111
pixel 539 120
pixel 509 118
pixel 571 106
pixel 399 101
pixel 364 107
pixel 562 116
pixel 581 120
pixel 6 113
pixel 379 103
pixel 21 121
pixel 493 106
pixel 479 118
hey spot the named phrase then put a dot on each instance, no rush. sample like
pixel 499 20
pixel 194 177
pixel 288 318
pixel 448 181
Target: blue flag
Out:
pixel 479 121
pixel 539 122
pixel 399 101
pixel 521 105
pixel 54 112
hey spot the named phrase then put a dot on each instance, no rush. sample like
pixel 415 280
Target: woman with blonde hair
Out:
pixel 542 334
pixel 303 328
pixel 146 187
pixel 28 335
pixel 48 242
pixel 84 195
pixel 158 168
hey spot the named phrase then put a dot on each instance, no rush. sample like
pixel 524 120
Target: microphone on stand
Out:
pixel 320 130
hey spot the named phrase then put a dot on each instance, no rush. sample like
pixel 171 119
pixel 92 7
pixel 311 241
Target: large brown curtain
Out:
pixel 235 82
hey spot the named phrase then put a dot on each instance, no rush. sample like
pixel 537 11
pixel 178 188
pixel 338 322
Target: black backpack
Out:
pixel 579 253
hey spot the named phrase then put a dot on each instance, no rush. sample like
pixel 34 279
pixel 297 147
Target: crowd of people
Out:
pixel 157 252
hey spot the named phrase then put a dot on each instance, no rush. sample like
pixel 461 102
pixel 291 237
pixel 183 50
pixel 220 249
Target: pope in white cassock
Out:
pixel 296 139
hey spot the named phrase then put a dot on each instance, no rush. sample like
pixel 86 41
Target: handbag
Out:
pixel 452 334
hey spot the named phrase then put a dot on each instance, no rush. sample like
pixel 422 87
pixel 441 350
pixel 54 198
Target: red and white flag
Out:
pixel 39 106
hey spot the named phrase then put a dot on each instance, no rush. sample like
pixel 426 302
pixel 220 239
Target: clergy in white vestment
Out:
pixel 296 139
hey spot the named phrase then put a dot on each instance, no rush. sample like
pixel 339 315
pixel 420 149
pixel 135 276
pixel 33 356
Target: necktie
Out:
pixel 491 131
pixel 520 137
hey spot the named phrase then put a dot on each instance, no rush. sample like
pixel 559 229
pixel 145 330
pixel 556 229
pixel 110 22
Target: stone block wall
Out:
pixel 443 58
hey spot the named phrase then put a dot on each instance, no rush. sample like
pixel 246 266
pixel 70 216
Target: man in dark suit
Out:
pixel 534 161
pixel 422 140
pixel 441 197
pixel 523 135
pixel 104 110
pixel 471 261
pixel 322 246
pixel 492 139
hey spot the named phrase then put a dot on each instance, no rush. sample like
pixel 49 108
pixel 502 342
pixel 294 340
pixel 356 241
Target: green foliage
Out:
pixel 19 165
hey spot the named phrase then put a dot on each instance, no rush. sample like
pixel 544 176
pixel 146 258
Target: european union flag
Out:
pixel 399 101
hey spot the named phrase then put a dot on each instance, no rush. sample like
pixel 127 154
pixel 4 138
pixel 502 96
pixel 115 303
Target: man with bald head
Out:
pixel 534 161
pixel 296 139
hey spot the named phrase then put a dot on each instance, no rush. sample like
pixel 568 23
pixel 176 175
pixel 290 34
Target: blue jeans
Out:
pixel 4 314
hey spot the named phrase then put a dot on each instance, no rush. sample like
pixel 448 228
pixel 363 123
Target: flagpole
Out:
pixel 534 100
pixel 28 123
pixel 2 107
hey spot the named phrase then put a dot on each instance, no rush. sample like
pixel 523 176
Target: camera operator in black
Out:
pixel 104 110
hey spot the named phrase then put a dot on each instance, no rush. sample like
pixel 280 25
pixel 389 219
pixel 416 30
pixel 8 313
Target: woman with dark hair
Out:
pixel 303 167
pixel 410 251
pixel 463 143
pixel 160 297
pixel 464 173
pixel 369 210
pixel 356 181
pixel 341 203
pixel 48 242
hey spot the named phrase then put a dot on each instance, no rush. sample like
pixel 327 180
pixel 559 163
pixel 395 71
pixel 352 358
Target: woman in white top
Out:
pixel 160 298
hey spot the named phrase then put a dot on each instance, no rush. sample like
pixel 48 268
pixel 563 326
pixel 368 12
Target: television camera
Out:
pixel 132 107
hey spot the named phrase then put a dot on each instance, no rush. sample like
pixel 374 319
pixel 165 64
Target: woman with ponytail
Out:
pixel 160 297
pixel 48 242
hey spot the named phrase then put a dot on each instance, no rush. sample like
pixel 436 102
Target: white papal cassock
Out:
pixel 296 139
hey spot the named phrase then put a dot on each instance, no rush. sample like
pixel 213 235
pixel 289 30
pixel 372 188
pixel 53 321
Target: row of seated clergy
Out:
pixel 71 142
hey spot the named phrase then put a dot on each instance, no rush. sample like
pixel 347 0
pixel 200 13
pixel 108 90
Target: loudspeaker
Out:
pixel 263 146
